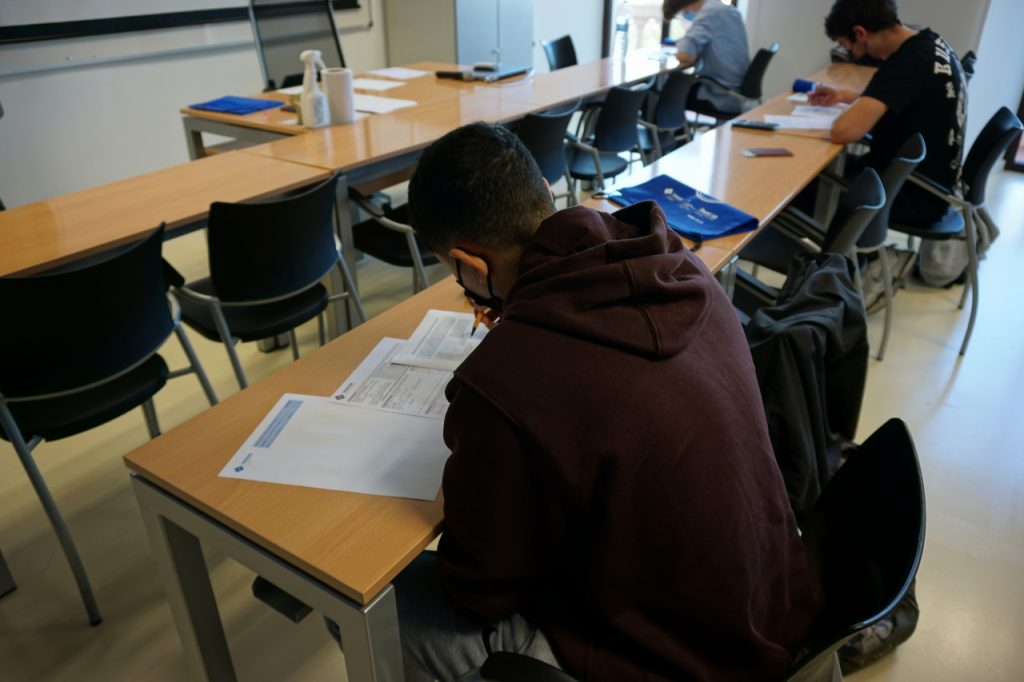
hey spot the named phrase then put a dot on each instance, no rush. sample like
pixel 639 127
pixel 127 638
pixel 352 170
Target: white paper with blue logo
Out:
pixel 318 443
pixel 693 214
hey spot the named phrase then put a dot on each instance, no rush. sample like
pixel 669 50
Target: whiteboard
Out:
pixel 15 12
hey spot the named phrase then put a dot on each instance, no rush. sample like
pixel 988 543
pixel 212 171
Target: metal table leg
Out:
pixel 369 633
pixel 341 313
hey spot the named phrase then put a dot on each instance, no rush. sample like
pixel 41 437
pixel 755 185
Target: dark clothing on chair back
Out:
pixel 611 476
pixel 811 355
pixel 923 86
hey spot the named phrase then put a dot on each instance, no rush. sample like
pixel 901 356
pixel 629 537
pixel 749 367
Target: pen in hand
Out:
pixel 476 320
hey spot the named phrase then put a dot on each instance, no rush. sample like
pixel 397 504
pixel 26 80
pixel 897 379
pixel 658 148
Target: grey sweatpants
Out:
pixel 439 644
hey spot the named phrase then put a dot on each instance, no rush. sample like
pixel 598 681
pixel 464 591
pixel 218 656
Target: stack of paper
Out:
pixel 373 104
pixel 399 72
pixel 381 431
pixel 374 84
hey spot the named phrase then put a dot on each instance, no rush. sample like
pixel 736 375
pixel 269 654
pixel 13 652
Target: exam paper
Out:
pixel 315 442
pixel 399 72
pixel 380 105
pixel 800 122
pixel 824 112
pixel 378 383
pixel 442 341
pixel 374 84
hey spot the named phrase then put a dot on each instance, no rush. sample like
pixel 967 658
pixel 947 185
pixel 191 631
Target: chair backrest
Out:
pixel 282 29
pixel 857 208
pixel 751 86
pixel 615 130
pixel 560 52
pixel 865 537
pixel 670 111
pixel 968 63
pixel 270 249
pixel 893 176
pixel 84 323
pixel 544 136
pixel 991 143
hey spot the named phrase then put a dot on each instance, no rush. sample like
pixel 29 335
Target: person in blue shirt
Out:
pixel 715 42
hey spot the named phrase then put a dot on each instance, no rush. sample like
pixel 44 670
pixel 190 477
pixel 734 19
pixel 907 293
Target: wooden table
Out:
pixel 714 163
pixel 52 232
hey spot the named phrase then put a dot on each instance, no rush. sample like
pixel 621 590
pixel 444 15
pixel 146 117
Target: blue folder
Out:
pixel 237 105
pixel 693 214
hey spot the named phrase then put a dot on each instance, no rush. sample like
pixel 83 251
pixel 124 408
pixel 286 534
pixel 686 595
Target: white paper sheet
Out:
pixel 374 84
pixel 399 72
pixel 378 383
pixel 293 90
pixel 823 112
pixel 315 442
pixel 441 341
pixel 798 97
pixel 800 122
pixel 380 105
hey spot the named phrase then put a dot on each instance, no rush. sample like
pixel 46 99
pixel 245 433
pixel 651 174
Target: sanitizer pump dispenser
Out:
pixel 315 112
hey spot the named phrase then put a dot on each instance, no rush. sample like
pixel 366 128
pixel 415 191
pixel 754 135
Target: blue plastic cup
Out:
pixel 802 85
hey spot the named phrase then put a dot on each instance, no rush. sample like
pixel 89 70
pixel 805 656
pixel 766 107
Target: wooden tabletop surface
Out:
pixel 352 542
pixel 54 231
pixel 375 138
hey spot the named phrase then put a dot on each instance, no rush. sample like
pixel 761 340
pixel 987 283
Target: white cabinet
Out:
pixel 460 31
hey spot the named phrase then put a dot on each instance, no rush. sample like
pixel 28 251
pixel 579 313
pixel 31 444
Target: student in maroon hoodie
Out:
pixel 612 504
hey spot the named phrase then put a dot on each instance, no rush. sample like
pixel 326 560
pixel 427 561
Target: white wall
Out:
pixel 958 21
pixel 999 77
pixel 799 28
pixel 582 19
pixel 67 129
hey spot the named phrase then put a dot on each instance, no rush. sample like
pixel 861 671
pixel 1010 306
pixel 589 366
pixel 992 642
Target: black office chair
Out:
pixel 79 349
pixel 266 262
pixel 750 89
pixel 857 208
pixel 775 248
pixel 866 554
pixel 615 130
pixel 387 236
pixel 968 63
pixel 543 135
pixel 666 126
pixel 7 584
pixel 967 217
pixel 560 52
pixel 284 28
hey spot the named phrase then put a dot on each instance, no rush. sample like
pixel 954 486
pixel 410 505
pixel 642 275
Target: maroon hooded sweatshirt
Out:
pixel 611 476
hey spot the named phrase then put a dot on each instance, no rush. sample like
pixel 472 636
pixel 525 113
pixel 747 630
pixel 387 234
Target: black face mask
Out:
pixel 494 303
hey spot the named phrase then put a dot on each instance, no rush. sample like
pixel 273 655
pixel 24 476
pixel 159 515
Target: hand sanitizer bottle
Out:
pixel 315 112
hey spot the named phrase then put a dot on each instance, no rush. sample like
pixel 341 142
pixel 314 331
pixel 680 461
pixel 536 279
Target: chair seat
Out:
pixel 704 108
pixel 581 164
pixel 772 249
pixel 255 322
pixel 950 225
pixel 57 418
pixel 388 245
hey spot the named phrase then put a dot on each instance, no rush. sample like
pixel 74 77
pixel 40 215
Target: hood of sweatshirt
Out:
pixel 622 279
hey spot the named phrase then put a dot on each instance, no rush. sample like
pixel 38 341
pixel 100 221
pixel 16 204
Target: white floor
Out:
pixel 966 415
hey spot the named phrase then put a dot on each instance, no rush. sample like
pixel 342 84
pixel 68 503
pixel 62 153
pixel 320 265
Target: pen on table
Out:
pixel 476 321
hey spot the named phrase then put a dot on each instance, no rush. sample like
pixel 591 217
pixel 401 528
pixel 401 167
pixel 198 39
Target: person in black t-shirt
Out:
pixel 919 87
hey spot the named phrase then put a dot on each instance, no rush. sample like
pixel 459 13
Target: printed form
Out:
pixel 441 341
pixel 380 384
pixel 317 443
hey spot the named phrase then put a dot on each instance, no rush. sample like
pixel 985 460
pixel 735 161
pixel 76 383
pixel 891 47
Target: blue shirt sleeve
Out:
pixel 697 36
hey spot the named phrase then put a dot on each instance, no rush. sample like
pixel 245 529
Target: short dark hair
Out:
pixel 670 8
pixel 873 15
pixel 477 183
